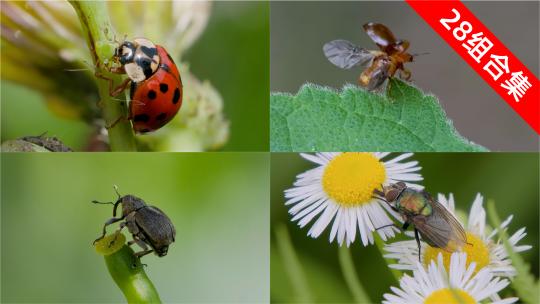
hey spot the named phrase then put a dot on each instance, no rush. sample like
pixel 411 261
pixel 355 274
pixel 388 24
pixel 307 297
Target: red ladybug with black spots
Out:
pixel 156 86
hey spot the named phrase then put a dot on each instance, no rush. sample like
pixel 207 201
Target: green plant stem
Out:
pixel 350 275
pixel 292 265
pixel 380 245
pixel 127 271
pixel 99 35
pixel 523 283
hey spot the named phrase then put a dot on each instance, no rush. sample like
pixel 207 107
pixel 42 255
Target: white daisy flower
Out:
pixel 458 285
pixel 481 247
pixel 341 188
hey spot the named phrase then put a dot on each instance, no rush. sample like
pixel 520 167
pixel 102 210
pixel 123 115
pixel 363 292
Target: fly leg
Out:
pixel 403 228
pixel 417 237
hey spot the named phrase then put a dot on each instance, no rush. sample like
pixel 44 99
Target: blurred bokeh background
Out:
pixel 219 204
pixel 300 29
pixel 510 179
pixel 223 48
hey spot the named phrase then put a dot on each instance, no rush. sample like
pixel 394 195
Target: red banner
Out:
pixel 485 54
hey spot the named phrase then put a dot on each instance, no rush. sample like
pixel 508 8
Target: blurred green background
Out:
pixel 511 179
pixel 232 53
pixel 219 204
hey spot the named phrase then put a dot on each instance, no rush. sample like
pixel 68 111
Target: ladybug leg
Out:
pixel 112 90
pixel 114 123
pixel 119 89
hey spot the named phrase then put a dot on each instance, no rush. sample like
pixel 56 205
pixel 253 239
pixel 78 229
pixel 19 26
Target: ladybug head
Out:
pixel 125 52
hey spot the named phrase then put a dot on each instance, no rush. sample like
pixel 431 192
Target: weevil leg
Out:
pixel 116 233
pixel 140 254
pixel 107 223
pixel 139 242
pixel 417 237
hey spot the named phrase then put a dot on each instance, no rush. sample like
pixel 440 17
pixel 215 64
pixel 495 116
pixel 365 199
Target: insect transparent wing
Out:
pixel 346 55
pixel 441 228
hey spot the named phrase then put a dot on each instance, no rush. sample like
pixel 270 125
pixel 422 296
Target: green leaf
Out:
pixel 320 119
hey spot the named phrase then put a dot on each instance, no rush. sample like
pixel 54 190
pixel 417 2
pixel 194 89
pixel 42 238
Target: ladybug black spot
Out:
pixel 152 94
pixel 163 87
pixel 141 117
pixel 161 116
pixel 176 96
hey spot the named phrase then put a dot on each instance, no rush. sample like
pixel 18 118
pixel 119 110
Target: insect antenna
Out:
pixel 116 190
pixel 76 70
pixel 104 203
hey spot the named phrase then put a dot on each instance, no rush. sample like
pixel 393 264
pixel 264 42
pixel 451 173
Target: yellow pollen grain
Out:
pixel 448 296
pixel 350 178
pixel 476 250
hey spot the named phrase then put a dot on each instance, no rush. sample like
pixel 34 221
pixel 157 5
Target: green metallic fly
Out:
pixel 437 226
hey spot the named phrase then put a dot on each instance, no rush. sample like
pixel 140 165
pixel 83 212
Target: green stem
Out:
pixel 292 265
pixel 127 270
pixel 99 34
pixel 380 245
pixel 524 282
pixel 350 275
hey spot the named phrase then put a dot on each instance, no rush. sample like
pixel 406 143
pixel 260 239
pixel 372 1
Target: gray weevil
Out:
pixel 147 224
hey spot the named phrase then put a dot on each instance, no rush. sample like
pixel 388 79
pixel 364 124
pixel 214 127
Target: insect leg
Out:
pixel 418 243
pixel 107 223
pixel 116 121
pixel 405 226
pixel 112 90
pixel 140 254
pixel 405 74
pixel 139 242
pixel 116 233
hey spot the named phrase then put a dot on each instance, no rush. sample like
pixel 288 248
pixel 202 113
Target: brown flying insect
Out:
pixel 378 65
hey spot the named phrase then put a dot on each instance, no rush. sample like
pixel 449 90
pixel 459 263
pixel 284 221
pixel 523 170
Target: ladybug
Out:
pixel 156 86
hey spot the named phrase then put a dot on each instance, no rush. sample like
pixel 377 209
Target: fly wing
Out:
pixel 346 55
pixel 441 228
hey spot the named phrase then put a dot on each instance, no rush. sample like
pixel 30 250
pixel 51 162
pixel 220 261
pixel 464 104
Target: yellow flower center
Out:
pixel 350 178
pixel 448 296
pixel 476 250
